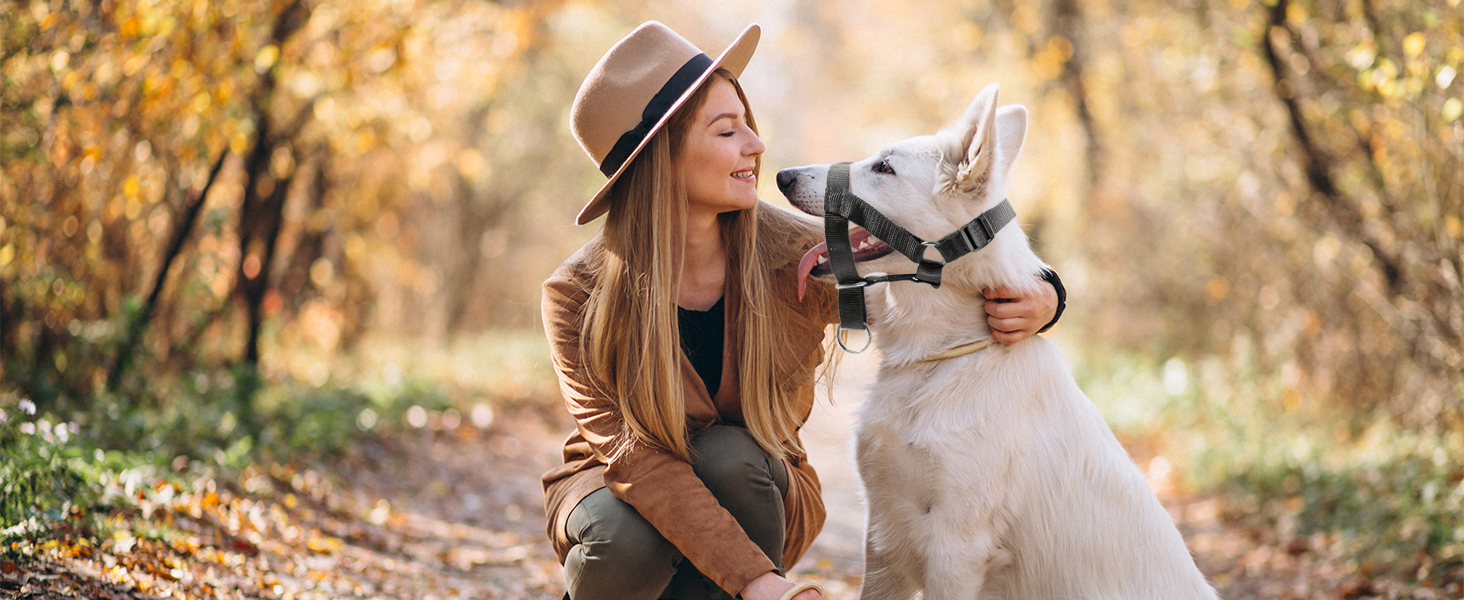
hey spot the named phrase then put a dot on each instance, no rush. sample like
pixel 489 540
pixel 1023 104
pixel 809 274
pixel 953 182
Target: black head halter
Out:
pixel 841 206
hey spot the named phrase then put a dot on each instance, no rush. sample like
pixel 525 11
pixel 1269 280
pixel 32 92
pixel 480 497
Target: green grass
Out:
pixel 195 419
pixel 1390 498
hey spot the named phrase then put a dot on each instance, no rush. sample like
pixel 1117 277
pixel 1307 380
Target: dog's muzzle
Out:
pixel 841 206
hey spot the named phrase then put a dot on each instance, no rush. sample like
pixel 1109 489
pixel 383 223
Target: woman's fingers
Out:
pixel 1009 338
pixel 1011 316
pixel 1010 325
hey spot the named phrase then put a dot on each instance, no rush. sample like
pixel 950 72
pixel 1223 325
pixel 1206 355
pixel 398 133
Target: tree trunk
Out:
pixel 137 326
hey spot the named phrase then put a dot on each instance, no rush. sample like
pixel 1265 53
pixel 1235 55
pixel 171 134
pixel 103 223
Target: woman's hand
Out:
pixel 1014 317
pixel 771 586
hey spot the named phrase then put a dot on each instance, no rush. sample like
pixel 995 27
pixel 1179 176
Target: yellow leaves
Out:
pixel 134 64
pixel 1290 401
pixel 1452 225
pixel 474 166
pixel 238 143
pixel 324 544
pixel 131 187
pixel 322 272
pixel 130 27
pixel 1216 289
pixel 1026 19
pixel 516 32
pixel 1296 15
pixel 1049 60
pixel 201 102
pixel 1414 43
pixel 7 254
pixel 225 91
pixel 1362 55
pixel 59 60
pixel 970 34
pixel 266 58
pixel 123 542
pixel 1452 109
pixel 381 59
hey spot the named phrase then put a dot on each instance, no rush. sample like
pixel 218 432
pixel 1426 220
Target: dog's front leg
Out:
pixel 958 570
pixel 886 577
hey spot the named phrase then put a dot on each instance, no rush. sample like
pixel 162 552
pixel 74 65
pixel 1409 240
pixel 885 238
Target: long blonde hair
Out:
pixel 630 336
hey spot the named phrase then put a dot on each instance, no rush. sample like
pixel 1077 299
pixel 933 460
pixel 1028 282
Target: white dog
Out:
pixel 988 475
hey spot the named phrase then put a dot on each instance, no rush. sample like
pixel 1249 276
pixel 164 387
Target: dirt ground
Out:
pixel 457 514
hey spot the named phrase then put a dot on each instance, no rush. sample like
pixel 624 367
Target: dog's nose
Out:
pixel 785 180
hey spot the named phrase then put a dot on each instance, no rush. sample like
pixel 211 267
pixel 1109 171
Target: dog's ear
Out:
pixel 1011 133
pixel 976 135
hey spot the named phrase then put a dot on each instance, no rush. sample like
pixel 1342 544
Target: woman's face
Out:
pixel 719 152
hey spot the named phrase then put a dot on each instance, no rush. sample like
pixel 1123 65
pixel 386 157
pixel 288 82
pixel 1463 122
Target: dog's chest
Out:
pixel 898 472
pixel 907 458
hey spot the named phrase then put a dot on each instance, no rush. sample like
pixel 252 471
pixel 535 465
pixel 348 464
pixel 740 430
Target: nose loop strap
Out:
pixel 841 206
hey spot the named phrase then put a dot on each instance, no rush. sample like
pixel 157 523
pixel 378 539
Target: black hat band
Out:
pixel 655 110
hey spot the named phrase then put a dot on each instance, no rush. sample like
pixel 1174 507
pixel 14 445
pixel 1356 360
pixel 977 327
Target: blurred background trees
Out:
pixel 1258 205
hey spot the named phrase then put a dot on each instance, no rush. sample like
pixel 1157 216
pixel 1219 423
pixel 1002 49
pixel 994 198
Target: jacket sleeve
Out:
pixel 661 487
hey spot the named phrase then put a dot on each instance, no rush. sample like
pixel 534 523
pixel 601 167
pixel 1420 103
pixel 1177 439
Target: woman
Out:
pixel 682 350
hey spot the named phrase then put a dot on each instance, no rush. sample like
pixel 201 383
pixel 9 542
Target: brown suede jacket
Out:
pixel 660 486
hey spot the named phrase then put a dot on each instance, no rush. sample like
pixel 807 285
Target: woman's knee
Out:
pixel 615 548
pixel 728 457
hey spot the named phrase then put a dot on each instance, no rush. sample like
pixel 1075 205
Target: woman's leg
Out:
pixel 746 481
pixel 750 485
pixel 617 554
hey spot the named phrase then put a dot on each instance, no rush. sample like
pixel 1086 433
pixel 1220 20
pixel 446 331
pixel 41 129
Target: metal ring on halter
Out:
pixel 936 245
pixel 839 337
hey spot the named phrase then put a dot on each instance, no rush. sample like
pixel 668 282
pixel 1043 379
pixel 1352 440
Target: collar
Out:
pixel 961 350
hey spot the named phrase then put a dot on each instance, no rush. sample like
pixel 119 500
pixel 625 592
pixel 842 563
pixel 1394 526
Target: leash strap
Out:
pixel 841 206
pixel 841 256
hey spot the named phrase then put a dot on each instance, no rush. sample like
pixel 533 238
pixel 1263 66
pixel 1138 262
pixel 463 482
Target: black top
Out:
pixel 701 340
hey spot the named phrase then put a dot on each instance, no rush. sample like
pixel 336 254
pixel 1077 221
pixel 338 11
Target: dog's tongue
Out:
pixel 805 266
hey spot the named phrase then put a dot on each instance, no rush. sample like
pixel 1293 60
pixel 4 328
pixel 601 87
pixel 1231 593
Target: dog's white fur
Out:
pixel 989 475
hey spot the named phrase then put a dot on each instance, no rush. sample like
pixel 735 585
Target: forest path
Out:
pixel 438 515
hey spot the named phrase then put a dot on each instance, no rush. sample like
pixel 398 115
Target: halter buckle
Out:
pixel 980 226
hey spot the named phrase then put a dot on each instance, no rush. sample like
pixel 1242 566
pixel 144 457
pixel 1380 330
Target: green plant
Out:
pixel 38 478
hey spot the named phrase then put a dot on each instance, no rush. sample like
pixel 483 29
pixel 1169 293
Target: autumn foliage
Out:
pixel 1258 207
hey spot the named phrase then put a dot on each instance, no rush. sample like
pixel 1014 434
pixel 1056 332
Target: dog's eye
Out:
pixel 883 166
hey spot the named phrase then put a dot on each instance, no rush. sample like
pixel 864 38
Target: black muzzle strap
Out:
pixel 841 206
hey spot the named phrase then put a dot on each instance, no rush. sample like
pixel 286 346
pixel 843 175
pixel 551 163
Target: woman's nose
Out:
pixel 754 147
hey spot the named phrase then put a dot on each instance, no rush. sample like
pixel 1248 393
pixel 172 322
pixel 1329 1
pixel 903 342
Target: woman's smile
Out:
pixel 721 144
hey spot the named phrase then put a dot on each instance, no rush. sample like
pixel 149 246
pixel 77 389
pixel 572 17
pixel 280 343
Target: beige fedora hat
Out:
pixel 633 91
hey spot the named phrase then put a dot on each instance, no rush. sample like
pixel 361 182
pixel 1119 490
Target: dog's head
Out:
pixel 930 185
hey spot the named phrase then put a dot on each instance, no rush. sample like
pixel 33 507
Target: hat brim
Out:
pixel 734 59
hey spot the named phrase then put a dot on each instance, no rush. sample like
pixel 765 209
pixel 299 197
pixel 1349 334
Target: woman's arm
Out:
pixel 1014 317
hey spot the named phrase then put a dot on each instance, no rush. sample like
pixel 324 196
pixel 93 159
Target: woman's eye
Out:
pixel 883 166
pixel 727 134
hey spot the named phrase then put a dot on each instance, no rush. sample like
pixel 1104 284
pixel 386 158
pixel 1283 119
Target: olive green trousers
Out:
pixel 618 555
